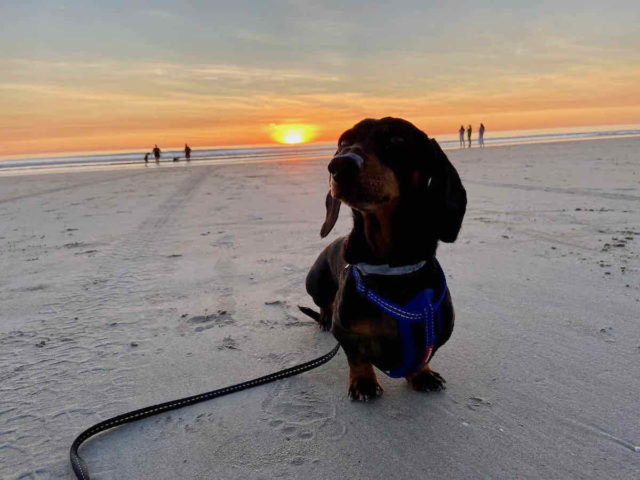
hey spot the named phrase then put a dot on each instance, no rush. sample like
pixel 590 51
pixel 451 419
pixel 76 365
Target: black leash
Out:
pixel 80 467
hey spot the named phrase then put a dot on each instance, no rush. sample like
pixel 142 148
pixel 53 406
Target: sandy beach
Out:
pixel 125 288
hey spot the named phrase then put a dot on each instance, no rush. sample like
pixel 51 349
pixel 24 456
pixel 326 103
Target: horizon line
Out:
pixel 273 144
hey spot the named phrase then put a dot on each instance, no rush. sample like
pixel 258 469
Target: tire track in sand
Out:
pixel 59 372
pixel 68 187
pixel 566 191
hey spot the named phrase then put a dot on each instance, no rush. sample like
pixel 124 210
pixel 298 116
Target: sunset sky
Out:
pixel 118 75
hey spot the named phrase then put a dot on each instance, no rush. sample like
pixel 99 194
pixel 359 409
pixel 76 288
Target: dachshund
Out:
pixel 380 289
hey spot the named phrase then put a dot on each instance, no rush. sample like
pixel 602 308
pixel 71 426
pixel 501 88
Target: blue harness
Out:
pixel 421 309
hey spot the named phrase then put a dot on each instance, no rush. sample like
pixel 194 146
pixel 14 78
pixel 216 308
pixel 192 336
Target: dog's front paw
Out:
pixel 364 389
pixel 426 380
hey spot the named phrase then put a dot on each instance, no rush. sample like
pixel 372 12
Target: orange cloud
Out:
pixel 179 106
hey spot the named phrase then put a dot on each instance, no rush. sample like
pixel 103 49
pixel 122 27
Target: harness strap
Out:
pixel 421 309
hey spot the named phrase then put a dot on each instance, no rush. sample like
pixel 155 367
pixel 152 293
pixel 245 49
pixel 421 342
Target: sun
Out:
pixel 292 137
pixel 292 134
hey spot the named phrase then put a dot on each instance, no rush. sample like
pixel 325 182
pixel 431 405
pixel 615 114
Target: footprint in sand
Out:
pixel 228 343
pixel 224 241
pixel 221 318
pixel 476 403
pixel 276 314
pixel 297 410
pixel 199 323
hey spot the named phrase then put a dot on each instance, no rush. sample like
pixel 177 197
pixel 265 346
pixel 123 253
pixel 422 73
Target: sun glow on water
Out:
pixel 292 134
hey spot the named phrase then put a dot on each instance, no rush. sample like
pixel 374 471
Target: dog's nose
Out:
pixel 345 165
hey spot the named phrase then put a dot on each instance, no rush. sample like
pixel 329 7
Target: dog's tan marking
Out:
pixel 364 370
pixel 363 383
pixel 375 185
pixel 424 368
pixel 426 379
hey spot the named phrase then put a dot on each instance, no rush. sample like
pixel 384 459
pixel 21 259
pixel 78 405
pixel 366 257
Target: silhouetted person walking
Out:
pixel 146 157
pixel 481 135
pixel 469 135
pixel 187 152
pixel 156 153
pixel 461 132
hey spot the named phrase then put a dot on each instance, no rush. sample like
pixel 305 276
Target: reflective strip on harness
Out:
pixel 420 309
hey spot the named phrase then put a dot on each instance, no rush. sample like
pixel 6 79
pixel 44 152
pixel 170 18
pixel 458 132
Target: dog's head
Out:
pixel 390 165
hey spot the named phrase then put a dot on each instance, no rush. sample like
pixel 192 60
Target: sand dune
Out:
pixel 124 288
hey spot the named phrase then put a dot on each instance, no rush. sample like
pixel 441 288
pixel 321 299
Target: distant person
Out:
pixel 481 135
pixel 469 135
pixel 156 153
pixel 146 157
pixel 461 132
pixel 187 152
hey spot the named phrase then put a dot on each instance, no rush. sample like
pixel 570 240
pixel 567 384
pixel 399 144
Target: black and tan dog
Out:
pixel 405 196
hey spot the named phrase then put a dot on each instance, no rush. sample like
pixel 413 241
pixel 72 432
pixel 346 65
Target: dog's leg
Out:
pixel 426 380
pixel 363 384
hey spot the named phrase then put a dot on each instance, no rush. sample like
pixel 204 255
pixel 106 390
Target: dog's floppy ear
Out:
pixel 333 209
pixel 446 197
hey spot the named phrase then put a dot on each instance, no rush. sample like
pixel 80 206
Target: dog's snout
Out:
pixel 342 165
pixel 346 164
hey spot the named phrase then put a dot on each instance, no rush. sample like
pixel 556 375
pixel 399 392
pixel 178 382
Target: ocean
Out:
pixel 285 152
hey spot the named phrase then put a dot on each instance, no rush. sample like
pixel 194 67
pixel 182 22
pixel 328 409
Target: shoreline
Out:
pixel 241 160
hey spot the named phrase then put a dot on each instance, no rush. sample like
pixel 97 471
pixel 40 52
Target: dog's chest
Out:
pixel 369 309
pixel 362 327
pixel 372 336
